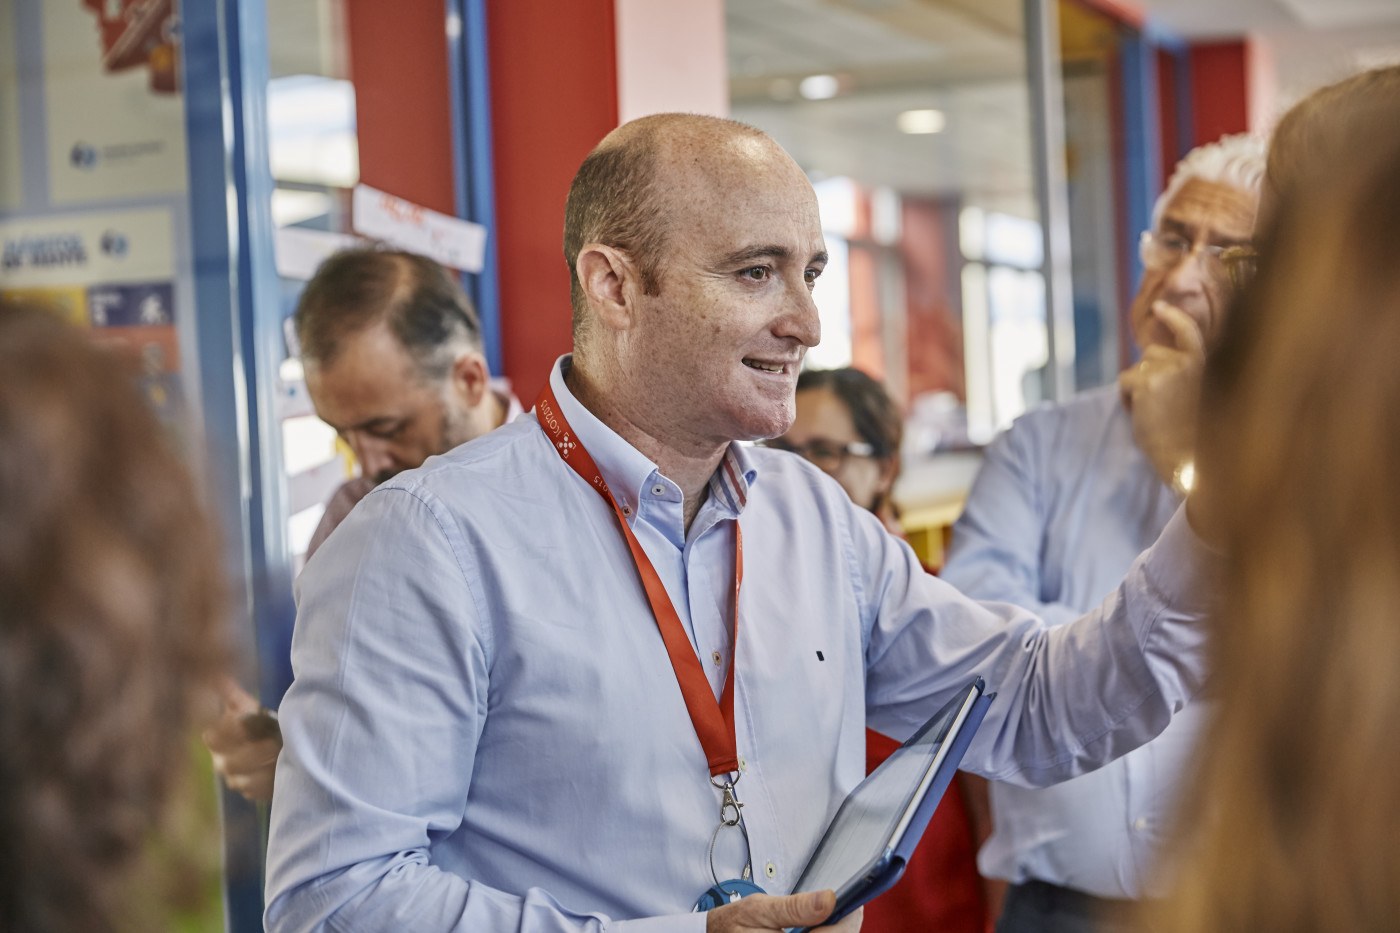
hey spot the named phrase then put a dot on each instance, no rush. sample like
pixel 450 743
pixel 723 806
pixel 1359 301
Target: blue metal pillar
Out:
pixel 473 172
pixel 238 323
pixel 1142 141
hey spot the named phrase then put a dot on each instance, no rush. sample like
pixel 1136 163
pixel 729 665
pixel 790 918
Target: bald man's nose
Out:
pixel 802 322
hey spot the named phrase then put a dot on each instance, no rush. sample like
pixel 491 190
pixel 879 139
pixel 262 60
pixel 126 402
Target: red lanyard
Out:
pixel 714 722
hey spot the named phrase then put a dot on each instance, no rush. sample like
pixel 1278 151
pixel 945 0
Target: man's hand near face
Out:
pixel 763 913
pixel 1162 393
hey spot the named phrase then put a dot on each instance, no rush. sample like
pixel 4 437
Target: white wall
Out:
pixel 671 57
pixel 1303 60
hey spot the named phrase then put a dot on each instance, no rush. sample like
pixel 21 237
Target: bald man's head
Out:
pixel 618 196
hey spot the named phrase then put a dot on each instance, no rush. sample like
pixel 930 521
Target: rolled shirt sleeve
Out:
pixel 1069 698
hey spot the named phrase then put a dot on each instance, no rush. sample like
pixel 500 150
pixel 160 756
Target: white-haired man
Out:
pixel 1065 501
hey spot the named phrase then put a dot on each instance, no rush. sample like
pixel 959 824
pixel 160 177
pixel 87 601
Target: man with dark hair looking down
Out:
pixel 394 362
pixel 486 733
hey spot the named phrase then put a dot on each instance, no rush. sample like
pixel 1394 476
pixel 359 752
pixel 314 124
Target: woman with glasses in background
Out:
pixel 848 426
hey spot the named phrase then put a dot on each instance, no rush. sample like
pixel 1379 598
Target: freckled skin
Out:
pixel 687 354
pixel 1206 213
pixel 713 355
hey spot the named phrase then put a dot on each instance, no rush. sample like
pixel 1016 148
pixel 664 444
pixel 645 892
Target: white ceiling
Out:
pixel 963 57
pixel 1209 18
pixel 967 58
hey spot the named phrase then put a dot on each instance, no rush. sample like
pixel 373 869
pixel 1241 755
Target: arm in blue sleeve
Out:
pixel 995 554
pixel 1070 698
pixel 391 658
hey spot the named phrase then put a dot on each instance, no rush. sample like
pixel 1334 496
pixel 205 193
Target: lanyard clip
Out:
pixel 730 808
pixel 731 813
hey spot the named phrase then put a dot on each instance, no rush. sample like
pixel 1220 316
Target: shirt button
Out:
pixel 770 870
pixel 658 490
pixel 626 510
pixel 715 656
pixel 1140 824
pixel 743 765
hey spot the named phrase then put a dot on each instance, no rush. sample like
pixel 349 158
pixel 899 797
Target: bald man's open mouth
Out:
pixel 776 367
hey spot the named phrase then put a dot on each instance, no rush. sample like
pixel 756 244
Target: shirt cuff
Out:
pixel 677 923
pixel 1181 568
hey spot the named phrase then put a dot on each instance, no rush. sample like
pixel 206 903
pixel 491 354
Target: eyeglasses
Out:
pixel 1241 262
pixel 1167 250
pixel 822 453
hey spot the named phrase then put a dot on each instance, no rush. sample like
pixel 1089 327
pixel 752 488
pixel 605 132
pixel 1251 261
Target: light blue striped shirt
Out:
pixel 1064 503
pixel 485 732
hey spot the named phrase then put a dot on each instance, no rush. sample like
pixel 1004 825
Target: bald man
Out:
pixel 536 679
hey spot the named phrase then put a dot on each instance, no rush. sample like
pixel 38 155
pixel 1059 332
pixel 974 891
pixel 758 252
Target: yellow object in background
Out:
pixel 929 530
pixel 347 455
pixel 68 302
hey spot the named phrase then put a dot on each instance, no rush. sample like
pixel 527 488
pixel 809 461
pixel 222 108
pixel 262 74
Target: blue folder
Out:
pixel 869 841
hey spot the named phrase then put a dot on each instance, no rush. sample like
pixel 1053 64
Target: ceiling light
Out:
pixel 819 87
pixel 916 122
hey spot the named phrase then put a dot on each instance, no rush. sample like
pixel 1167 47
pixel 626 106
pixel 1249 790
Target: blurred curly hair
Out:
pixel 111 602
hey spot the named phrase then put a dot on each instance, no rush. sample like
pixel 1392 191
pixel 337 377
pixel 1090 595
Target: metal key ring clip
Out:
pixel 748 853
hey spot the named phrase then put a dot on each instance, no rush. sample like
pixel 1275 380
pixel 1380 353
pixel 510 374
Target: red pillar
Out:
pixel 1219 89
pixel 553 97
pixel 401 99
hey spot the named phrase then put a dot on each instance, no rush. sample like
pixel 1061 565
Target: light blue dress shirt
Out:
pixel 1064 503
pixel 485 732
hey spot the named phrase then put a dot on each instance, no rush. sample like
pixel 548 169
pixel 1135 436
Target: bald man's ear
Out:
pixel 609 280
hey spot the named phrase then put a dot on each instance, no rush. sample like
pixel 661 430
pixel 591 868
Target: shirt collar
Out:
pixel 627 471
pixel 729 486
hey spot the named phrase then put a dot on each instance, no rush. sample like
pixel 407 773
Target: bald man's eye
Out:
pixel 756 273
pixel 811 276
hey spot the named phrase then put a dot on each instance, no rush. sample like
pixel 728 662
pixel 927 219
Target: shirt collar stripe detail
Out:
pixel 733 475
pixel 722 491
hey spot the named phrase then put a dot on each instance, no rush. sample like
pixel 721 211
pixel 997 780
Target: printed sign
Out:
pixel 151 304
pixel 11 177
pixel 115 115
pixel 64 250
pixel 113 272
pixel 457 243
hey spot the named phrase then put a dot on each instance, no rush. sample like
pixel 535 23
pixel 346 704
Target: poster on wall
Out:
pixel 113 272
pixel 11 177
pixel 112 99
